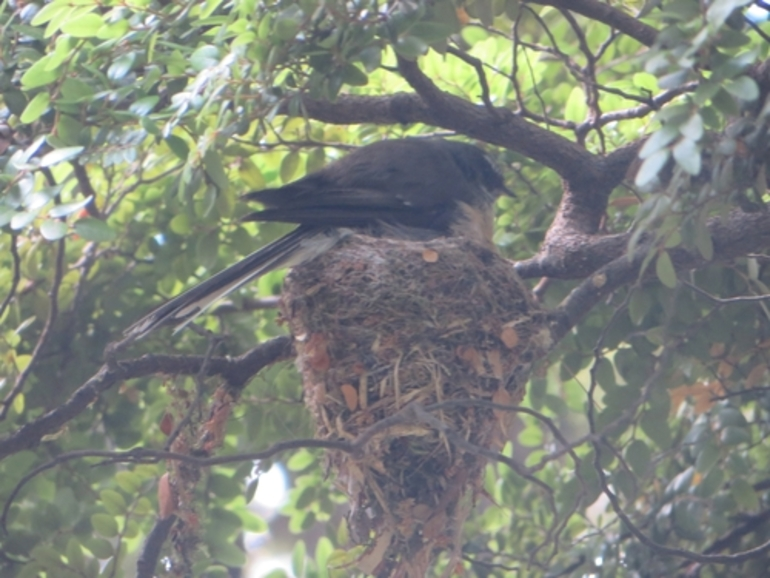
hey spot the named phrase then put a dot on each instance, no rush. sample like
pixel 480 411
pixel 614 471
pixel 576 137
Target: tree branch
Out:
pixel 237 371
pixel 734 236
pixel 612 17
pixel 45 334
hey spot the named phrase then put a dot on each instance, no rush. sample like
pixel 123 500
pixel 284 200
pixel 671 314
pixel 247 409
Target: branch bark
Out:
pixel 736 235
pixel 609 15
pixel 235 370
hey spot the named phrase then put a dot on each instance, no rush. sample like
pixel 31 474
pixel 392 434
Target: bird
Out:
pixel 410 188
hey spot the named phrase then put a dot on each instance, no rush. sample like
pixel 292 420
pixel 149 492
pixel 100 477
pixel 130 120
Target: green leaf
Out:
pixel 300 460
pixel 432 32
pixel 207 249
pixel 94 230
pixel 83 26
pixel 113 502
pixel 57 156
pixel 228 554
pixel 251 175
pixel 144 106
pixel 664 269
pixel 204 57
pixel 744 88
pixel 659 139
pixel 288 23
pixel 410 47
pixel 707 457
pixel 353 76
pixel 100 548
pixel 687 155
pixel 105 525
pixel 37 75
pixel 744 494
pixel 121 66
pixel 212 164
pixel 47 12
pixel 655 425
pixel 703 241
pixel 673 80
pixel 371 58
pixel 251 489
pixel 638 456
pixel 735 436
pixel 650 168
pixel 724 103
pixel 289 166
pixel 113 30
pixel 36 108
pixel 74 553
pixel 252 522
pixel 576 109
pixel 299 558
pixel 180 224
pixel 178 146
pixel 21 220
pixel 693 127
pixel 129 482
pixel 484 11
pixel 323 551
pixel 719 10
pixel 53 230
pixel 638 306
pixel 710 484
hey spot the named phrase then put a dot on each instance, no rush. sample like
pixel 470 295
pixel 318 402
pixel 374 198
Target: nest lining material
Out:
pixel 380 324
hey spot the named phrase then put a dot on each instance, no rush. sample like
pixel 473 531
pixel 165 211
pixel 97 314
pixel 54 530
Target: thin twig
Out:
pixel 16 273
pixel 728 300
pixel 479 66
pixel 45 334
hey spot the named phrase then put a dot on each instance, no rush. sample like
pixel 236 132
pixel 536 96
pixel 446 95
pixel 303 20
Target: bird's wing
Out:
pixel 354 207
pixel 375 195
pixel 299 246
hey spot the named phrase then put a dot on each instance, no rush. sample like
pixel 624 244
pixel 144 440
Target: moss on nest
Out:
pixel 381 324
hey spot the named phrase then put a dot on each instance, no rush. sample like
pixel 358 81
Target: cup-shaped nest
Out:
pixel 412 333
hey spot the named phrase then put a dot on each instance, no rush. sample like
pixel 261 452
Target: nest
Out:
pixel 384 327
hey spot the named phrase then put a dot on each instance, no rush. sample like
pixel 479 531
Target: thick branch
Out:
pixel 608 15
pixel 236 370
pixel 445 110
pixel 734 236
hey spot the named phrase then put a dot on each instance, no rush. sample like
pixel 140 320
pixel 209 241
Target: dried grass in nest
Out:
pixel 382 324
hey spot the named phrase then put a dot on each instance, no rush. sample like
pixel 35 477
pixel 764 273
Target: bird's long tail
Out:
pixel 301 245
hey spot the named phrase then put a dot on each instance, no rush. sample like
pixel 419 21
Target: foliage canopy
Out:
pixel 636 137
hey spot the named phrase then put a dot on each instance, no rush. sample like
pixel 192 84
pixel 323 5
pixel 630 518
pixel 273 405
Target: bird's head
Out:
pixel 479 169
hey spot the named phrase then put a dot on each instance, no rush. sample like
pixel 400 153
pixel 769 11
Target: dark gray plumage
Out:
pixel 409 188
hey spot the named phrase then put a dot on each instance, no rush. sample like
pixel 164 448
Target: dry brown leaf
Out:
pixel 429 255
pixel 717 350
pixel 167 501
pixel 371 559
pixel 316 353
pixel 623 202
pixel 756 375
pixel 495 363
pixel 510 337
pixel 167 423
pixel 703 395
pixel 351 396
pixel 725 369
pixel 472 357
pixel 504 418
pixel 434 527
